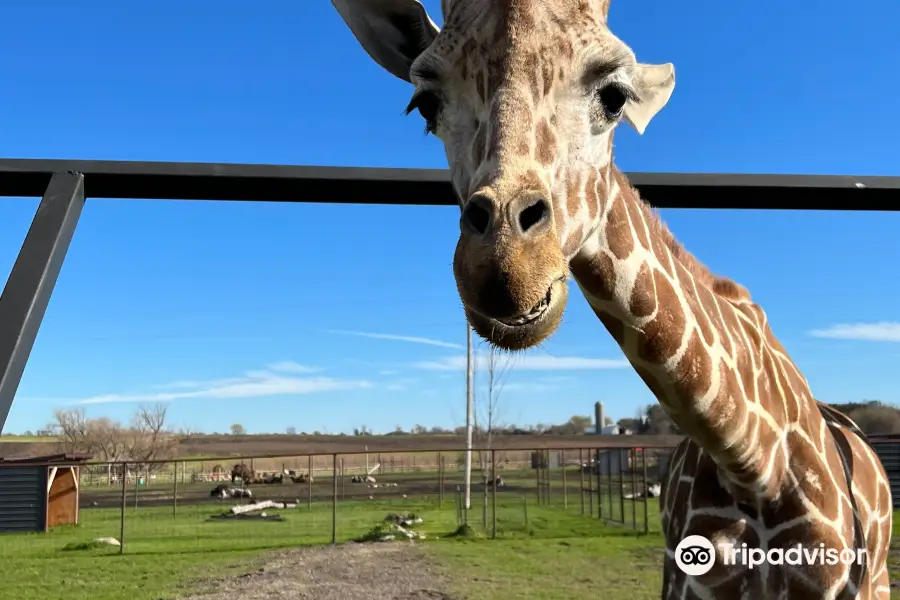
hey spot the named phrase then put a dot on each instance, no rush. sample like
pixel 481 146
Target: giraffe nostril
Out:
pixel 477 214
pixel 534 214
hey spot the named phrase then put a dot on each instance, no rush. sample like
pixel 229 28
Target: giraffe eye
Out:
pixel 613 98
pixel 429 106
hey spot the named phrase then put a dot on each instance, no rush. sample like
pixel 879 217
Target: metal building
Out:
pixel 37 493
pixel 887 447
pixel 614 461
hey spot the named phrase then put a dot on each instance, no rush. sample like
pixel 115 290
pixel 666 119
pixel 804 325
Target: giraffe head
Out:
pixel 525 95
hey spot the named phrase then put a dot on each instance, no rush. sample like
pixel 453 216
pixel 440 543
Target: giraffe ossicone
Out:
pixel 525 96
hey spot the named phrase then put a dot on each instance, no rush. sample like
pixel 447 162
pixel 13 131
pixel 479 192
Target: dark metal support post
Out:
pixel 122 513
pixel 175 489
pixel 634 488
pixel 493 494
pixel 599 487
pixel 621 488
pixel 27 292
pixel 609 489
pixel 590 482
pixel 581 474
pixel 440 480
pixel 334 497
pixel 646 491
pixel 309 482
pixel 562 461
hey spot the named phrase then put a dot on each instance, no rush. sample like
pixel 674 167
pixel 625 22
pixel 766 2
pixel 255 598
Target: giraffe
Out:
pixel 525 96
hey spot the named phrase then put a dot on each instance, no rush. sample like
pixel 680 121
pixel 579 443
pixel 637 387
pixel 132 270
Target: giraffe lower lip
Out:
pixel 532 315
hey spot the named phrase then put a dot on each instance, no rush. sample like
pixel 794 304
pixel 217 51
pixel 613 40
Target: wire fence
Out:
pixel 258 502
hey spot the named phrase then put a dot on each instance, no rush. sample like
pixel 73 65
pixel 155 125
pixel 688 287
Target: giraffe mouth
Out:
pixel 535 313
pixel 525 330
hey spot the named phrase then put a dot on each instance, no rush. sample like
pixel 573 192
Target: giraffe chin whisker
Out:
pixel 536 312
pixel 525 330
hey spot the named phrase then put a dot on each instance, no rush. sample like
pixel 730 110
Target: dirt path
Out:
pixel 392 571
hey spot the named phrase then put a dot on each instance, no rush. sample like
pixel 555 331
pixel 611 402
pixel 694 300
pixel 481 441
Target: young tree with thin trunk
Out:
pixel 487 417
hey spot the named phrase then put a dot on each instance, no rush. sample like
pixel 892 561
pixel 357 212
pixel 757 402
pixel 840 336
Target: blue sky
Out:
pixel 238 312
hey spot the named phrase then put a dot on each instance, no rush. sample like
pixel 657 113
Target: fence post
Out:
pixel 122 516
pixel 537 475
pixel 592 464
pixel 493 494
pixel 342 478
pixel 646 491
pixel 633 458
pixel 547 473
pixel 609 494
pixel 581 474
pixel 175 490
pixel 621 489
pixel 599 487
pixel 525 509
pixel 137 479
pixel 334 497
pixel 562 461
pixel 440 480
pixel 309 479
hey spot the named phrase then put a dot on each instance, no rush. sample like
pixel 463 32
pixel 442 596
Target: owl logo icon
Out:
pixel 695 555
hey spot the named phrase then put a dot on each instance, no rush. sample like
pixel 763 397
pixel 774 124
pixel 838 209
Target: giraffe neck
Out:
pixel 697 341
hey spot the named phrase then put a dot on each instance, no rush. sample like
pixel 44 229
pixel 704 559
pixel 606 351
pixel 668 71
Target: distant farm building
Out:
pixel 39 492
pixel 608 430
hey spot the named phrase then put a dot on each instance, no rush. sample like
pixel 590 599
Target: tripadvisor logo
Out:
pixel 695 555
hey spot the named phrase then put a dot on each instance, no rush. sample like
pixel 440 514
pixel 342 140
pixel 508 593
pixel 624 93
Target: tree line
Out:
pixel 144 439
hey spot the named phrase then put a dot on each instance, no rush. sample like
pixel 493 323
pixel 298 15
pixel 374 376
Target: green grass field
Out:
pixel 559 552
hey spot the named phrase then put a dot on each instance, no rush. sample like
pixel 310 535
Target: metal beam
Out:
pixel 27 293
pixel 431 187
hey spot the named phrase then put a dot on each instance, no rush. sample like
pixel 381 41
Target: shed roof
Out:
pixel 61 458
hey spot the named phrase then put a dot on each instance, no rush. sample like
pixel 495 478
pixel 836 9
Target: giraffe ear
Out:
pixel 654 85
pixel 393 32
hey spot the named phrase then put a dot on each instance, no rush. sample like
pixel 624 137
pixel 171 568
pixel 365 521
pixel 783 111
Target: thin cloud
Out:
pixel 883 331
pixel 182 384
pixel 254 384
pixel 388 372
pixel 400 385
pixel 525 363
pixel 289 366
pixel 399 338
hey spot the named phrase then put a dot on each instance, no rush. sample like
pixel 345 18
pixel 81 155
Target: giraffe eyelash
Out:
pixel 429 106
pixel 626 91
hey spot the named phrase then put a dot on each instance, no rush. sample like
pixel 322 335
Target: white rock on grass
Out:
pixel 107 540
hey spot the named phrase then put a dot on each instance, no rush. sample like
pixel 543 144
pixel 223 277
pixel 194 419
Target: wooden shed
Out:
pixel 39 492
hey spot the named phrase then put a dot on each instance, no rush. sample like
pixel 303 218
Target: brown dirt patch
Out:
pixel 389 571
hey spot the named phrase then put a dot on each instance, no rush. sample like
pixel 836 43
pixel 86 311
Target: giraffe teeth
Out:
pixel 535 313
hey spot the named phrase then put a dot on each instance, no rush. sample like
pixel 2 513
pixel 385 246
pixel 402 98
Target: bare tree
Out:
pixel 488 407
pixel 148 440
pixel 72 429
pixel 145 440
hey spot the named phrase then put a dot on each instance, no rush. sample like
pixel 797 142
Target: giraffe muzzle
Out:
pixel 524 330
pixel 536 312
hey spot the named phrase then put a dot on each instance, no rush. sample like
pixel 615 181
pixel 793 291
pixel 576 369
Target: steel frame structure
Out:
pixel 65 184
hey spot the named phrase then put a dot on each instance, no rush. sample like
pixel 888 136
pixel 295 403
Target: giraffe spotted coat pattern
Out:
pixel 525 96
